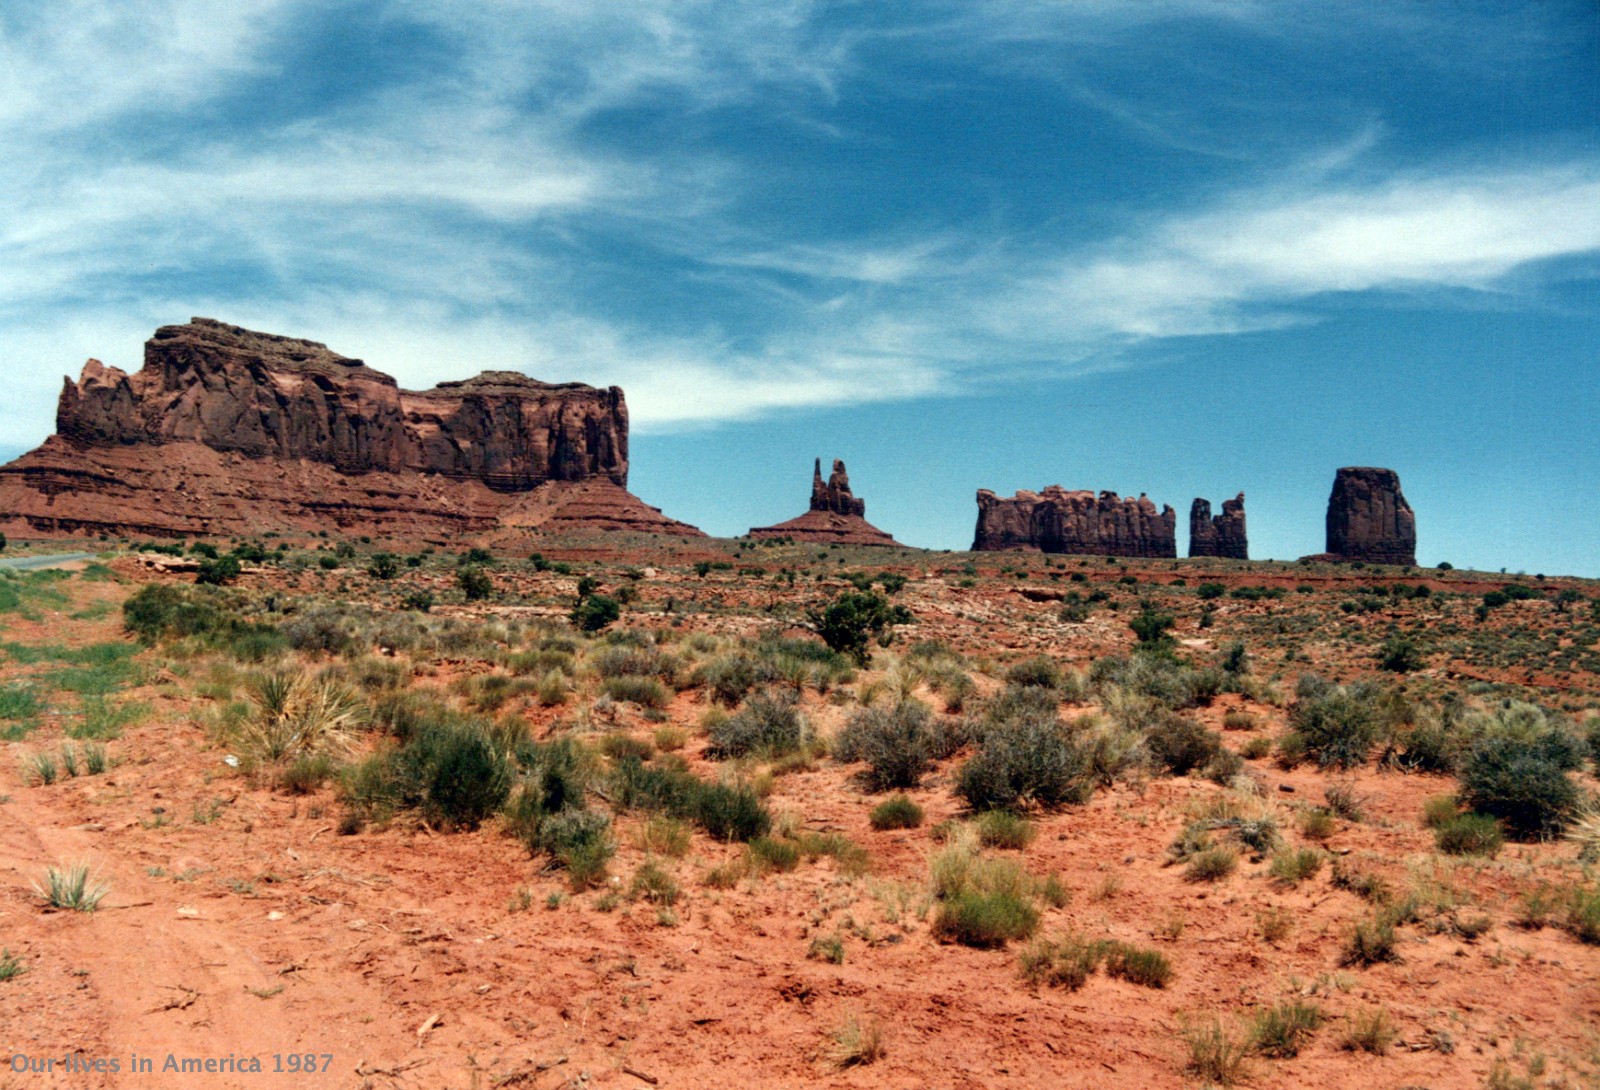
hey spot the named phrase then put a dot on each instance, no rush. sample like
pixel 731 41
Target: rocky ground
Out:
pixel 241 920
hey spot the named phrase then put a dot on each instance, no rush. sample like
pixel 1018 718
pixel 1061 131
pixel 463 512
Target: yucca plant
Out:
pixel 71 888
pixel 298 715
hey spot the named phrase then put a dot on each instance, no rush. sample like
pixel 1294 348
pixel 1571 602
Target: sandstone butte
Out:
pixel 836 517
pixel 1369 519
pixel 1078 522
pixel 225 431
pixel 1222 535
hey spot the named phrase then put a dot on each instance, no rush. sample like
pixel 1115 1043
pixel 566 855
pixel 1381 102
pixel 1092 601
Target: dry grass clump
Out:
pixel 298 715
pixel 858 1042
pixel 1216 1052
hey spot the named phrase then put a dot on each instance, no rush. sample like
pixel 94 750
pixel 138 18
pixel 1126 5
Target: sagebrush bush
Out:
pixel 1180 745
pixel 451 771
pixel 647 692
pixel 984 920
pixel 1039 672
pixel 1031 760
pixel 1294 867
pixel 898 744
pixel 1003 829
pixel 1211 864
pixel 1281 1030
pixel 768 725
pixel 1337 725
pixel 726 812
pixel 1525 785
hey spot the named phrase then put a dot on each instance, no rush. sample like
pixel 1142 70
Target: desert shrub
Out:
pixel 475 583
pixel 768 725
pixel 1281 1030
pixel 1470 834
pixel 307 774
pixel 1336 724
pixel 1159 676
pixel 1211 864
pixel 644 691
pixel 1370 942
pixel 1317 824
pixel 622 660
pixel 725 812
pixel 1028 761
pixel 851 621
pixel 1240 720
pixel 1137 965
pixel 1150 627
pixel 1113 752
pixel 899 812
pixel 1209 591
pixel 1294 867
pixel 581 841
pixel 1582 919
pixel 326 628
pixel 1256 748
pixel 1064 963
pixel 1216 1053
pixel 218 571
pixel 594 612
pixel 771 854
pixel 984 920
pixel 1371 1031
pixel 1400 654
pixel 1440 810
pixel 653 885
pixel 897 744
pixel 448 770
pixel 160 611
pixel 1039 671
pixel 727 677
pixel 299 715
pixel 1180 744
pixel 1003 829
pixel 71 888
pixel 1525 786
pixel 621 747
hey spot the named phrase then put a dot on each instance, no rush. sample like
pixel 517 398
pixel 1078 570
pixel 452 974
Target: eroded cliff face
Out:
pixel 1222 535
pixel 1077 522
pixel 1369 518
pixel 222 420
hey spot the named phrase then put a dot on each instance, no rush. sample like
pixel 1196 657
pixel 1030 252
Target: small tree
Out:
pixel 593 612
pixel 1151 625
pixel 851 620
pixel 384 566
pixel 219 572
pixel 474 583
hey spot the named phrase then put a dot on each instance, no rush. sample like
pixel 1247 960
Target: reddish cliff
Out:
pixel 225 430
pixel 1222 535
pixel 1369 518
pixel 1059 521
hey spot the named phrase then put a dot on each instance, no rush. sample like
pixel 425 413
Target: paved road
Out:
pixel 48 560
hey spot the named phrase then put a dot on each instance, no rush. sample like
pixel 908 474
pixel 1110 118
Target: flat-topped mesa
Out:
pixel 1369 518
pixel 267 396
pixel 1223 535
pixel 836 516
pixel 1077 522
pixel 226 430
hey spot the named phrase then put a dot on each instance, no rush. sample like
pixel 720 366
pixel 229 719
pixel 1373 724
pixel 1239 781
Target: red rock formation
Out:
pixel 227 431
pixel 836 516
pixel 1369 519
pixel 1059 521
pixel 1220 536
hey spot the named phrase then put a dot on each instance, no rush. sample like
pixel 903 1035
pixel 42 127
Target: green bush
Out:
pixel 218 572
pixel 1180 744
pixel 984 920
pixel 851 621
pixel 767 725
pixel 1525 786
pixel 768 855
pixel 1280 1031
pixel 450 771
pixel 1138 965
pixel 594 612
pixel 899 812
pixel 475 583
pixel 1031 760
pixel 1066 963
pixel 726 812
pixel 1470 834
pixel 898 744
pixel 1211 864
pixel 1370 942
pixel 644 691
pixel 1003 829
pixel 1400 654
pixel 1337 725
pixel 1039 671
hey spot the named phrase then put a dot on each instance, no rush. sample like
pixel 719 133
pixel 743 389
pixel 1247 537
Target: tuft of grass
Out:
pixel 71 888
pixel 1004 829
pixel 299 714
pixel 770 854
pixel 103 720
pixel 1295 866
pixel 1369 1030
pixel 1371 941
pixel 39 768
pixel 828 948
pixel 1211 864
pixel 1440 810
pixel 654 885
pixel 10 966
pixel 1064 963
pixel 899 812
pixel 1216 1053
pixel 1274 924
pixel 662 835
pixel 1138 965
pixel 1280 1031
pixel 1317 824
pixel 94 758
pixel 1470 834
pixel 984 920
pixel 858 1042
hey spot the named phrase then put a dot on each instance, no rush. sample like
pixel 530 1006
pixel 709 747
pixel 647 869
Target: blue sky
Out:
pixel 1166 246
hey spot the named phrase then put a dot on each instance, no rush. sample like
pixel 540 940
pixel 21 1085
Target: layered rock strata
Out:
pixel 1220 535
pixel 836 517
pixel 229 431
pixel 1077 522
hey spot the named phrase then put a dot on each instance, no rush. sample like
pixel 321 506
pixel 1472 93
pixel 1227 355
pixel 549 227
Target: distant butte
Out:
pixel 1222 535
pixel 1078 522
pixel 836 517
pixel 1369 519
pixel 226 431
